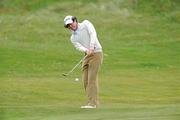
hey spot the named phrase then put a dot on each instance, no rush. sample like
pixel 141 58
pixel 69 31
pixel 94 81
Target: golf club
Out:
pixel 66 74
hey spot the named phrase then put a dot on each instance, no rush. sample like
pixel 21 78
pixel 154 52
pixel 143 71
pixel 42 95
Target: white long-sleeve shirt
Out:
pixel 85 37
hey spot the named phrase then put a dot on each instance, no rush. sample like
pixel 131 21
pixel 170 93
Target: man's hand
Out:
pixel 90 52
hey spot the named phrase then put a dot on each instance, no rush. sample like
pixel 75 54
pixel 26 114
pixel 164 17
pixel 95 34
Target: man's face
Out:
pixel 73 26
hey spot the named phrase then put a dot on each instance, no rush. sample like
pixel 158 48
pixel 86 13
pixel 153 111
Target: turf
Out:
pixel 139 78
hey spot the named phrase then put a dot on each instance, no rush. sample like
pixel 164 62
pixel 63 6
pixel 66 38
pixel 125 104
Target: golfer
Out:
pixel 84 39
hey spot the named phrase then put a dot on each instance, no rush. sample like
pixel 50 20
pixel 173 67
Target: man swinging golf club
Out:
pixel 84 38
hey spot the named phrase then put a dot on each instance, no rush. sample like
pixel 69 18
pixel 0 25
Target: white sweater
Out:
pixel 85 37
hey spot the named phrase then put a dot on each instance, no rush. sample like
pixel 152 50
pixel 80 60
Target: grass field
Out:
pixel 140 76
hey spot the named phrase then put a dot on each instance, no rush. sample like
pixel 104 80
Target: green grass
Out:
pixel 139 79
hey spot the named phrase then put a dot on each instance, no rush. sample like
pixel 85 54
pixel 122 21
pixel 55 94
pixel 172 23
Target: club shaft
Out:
pixel 76 66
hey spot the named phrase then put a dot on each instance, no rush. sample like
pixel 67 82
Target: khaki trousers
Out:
pixel 91 65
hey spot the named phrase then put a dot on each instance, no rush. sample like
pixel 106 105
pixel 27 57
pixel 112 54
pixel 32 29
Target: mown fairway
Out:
pixel 140 76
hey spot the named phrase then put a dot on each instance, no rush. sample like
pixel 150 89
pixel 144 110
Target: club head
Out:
pixel 65 74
